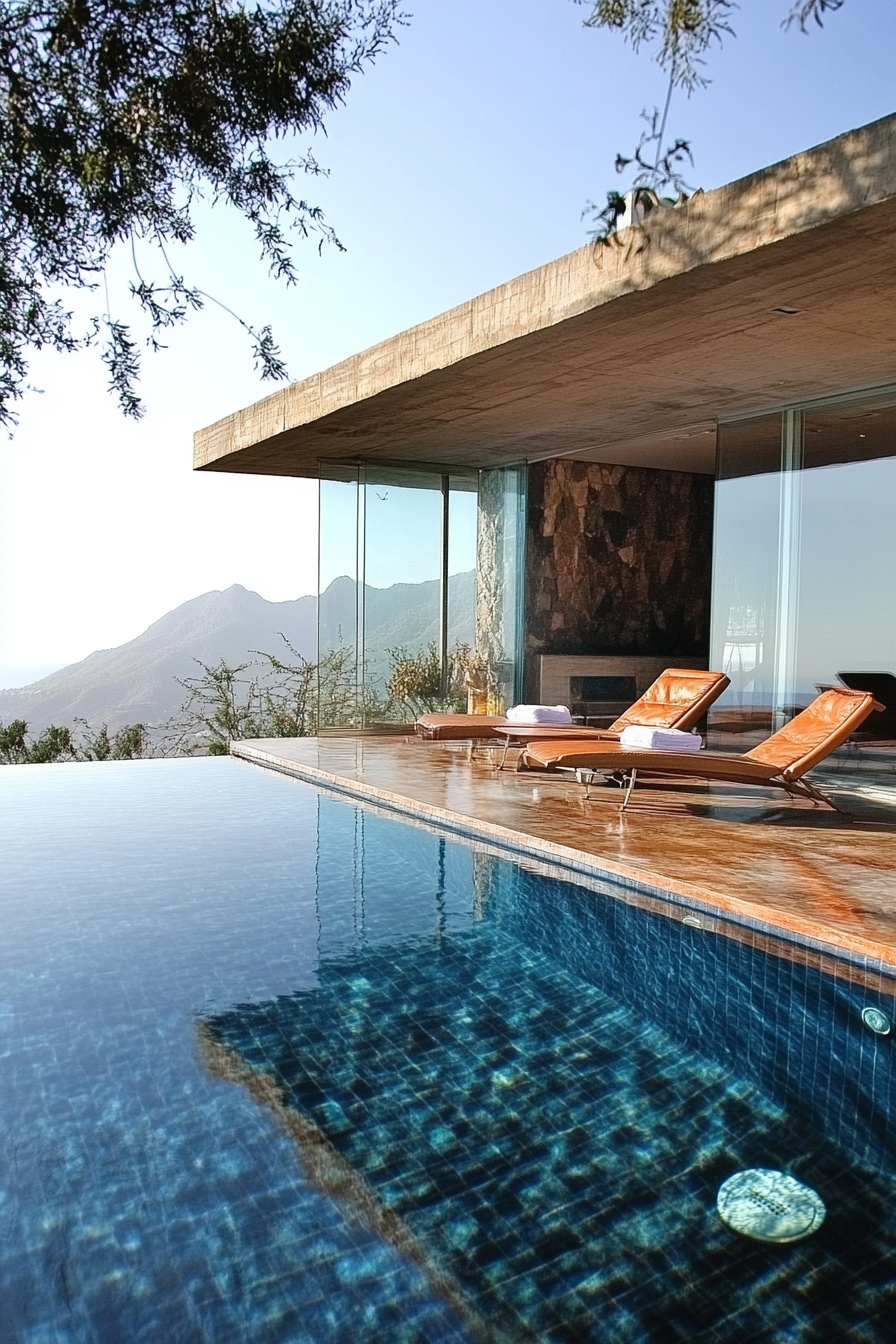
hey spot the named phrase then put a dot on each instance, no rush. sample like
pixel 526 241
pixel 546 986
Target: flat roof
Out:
pixel 627 353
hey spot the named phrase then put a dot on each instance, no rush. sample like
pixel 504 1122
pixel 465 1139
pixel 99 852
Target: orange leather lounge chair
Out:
pixel 678 698
pixel 780 761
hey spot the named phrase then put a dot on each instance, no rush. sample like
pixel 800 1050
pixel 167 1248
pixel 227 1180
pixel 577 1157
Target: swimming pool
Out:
pixel 275 1067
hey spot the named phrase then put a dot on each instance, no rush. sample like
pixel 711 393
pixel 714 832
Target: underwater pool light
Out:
pixel 769 1205
pixel 876 1020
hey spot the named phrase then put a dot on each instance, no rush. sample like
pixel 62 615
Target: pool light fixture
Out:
pixel 876 1021
pixel 769 1205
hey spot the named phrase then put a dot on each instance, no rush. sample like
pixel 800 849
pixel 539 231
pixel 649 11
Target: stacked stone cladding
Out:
pixel 618 561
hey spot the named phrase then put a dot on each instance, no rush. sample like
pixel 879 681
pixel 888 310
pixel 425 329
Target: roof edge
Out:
pixel 855 170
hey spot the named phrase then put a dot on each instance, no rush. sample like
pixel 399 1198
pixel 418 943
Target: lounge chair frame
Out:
pixel 795 788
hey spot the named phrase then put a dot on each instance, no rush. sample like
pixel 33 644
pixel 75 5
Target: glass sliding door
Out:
pixel 804 563
pixel 461 574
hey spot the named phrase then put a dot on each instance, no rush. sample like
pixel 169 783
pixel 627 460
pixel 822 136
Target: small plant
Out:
pixel 289 696
pixel 651 178
pixel 14 743
pixel 415 683
pixel 415 680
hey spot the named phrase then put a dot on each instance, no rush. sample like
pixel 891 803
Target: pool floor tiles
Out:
pixel 557 1156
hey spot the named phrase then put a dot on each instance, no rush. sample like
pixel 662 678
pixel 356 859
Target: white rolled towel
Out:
pixel 539 714
pixel 659 739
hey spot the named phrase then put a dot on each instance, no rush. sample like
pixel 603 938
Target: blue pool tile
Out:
pixel 535 1088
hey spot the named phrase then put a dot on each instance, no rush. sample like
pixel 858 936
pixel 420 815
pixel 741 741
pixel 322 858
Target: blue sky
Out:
pixel 463 158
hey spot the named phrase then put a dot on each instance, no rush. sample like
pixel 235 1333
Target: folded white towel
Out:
pixel 659 739
pixel 539 714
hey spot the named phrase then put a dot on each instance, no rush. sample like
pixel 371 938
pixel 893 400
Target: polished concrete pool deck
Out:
pixel 751 855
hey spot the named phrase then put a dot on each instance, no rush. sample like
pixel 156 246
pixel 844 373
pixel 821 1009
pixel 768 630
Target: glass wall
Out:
pixel 396 590
pixel 804 561
pixel 420 591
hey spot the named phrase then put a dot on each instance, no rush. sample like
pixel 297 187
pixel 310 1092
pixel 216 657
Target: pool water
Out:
pixel 274 1067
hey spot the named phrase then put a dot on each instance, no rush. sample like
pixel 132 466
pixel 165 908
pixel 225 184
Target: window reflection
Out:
pixel 804 561
pixel 396 583
pixel 847 602
pixel 745 571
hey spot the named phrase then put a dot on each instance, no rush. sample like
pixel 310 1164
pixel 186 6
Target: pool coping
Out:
pixel 862 953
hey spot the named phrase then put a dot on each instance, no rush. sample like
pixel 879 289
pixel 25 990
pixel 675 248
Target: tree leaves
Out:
pixel 117 114
pixel 682 31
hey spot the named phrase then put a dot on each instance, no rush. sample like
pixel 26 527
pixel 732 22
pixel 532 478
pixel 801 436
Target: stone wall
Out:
pixel 618 560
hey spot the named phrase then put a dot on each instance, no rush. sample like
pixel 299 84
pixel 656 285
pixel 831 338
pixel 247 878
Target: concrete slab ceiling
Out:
pixel 627 353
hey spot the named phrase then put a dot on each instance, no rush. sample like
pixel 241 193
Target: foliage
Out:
pixel 649 180
pixel 278 698
pixel 290 694
pixel 13 744
pixel 804 10
pixel 221 705
pixel 275 695
pixel 119 114
pixel 681 33
pixel 56 744
pixel 682 29
pixel 128 744
pixel 415 681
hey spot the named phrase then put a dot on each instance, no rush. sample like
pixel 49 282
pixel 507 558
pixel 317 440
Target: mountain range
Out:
pixel 138 681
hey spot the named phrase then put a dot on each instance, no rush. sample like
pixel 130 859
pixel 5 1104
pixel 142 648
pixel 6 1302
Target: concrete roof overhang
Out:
pixel 626 353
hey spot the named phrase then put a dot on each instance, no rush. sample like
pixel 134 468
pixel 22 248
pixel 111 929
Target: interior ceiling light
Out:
pixel 788 312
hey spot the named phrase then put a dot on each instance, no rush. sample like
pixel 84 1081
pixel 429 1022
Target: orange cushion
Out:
pixel 451 727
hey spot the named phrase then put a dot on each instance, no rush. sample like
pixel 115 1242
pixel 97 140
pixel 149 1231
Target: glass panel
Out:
pixel 745 576
pixel 500 554
pixel 804 557
pixel 337 597
pixel 462 513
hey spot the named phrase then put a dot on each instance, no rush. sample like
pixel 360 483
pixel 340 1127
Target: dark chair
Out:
pixel 882 685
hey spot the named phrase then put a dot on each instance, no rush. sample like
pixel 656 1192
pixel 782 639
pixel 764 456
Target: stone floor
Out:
pixel 805 870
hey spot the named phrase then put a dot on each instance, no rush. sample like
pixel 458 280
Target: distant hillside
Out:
pixel 405 614
pixel 136 682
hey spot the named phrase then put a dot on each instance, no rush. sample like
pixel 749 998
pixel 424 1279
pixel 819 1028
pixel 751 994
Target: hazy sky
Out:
pixel 463 158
